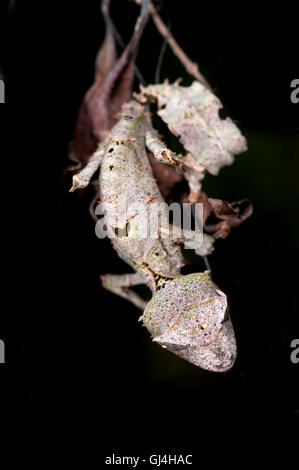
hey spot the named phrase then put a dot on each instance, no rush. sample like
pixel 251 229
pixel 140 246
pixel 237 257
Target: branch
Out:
pixel 130 50
pixel 191 67
pixel 105 7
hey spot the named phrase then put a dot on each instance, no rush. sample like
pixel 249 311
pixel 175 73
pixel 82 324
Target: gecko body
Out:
pixel 187 314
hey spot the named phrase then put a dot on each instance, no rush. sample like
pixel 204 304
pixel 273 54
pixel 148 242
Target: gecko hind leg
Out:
pixel 119 284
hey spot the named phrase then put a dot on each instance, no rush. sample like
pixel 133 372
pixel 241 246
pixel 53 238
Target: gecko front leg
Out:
pixel 159 149
pixel 193 171
pixel 119 284
pixel 82 179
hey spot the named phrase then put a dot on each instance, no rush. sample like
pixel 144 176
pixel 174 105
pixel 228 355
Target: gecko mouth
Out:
pixel 225 347
pixel 217 356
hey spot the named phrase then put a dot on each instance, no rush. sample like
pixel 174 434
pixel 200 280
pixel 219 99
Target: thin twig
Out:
pixel 131 47
pixel 160 60
pixel 207 264
pixel 105 7
pixel 191 67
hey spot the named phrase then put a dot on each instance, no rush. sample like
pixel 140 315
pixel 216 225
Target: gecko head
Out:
pixel 189 316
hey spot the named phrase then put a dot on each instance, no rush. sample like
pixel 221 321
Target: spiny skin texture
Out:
pixel 189 316
pixel 191 113
pixel 126 172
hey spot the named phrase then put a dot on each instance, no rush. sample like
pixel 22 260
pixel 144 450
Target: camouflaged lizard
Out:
pixel 187 314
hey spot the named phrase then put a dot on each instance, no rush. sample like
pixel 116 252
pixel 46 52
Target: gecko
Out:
pixel 187 314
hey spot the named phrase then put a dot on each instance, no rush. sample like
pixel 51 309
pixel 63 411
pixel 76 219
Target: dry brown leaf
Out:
pixel 191 113
pixel 219 217
pixel 112 87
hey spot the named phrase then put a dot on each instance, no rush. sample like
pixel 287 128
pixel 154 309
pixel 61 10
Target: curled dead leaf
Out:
pixel 112 87
pixel 219 217
pixel 192 114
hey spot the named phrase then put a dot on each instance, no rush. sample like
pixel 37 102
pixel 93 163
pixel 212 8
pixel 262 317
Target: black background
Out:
pixel 77 361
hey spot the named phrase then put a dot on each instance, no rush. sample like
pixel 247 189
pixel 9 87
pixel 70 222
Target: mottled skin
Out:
pixel 126 172
pixel 189 317
pixel 181 306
